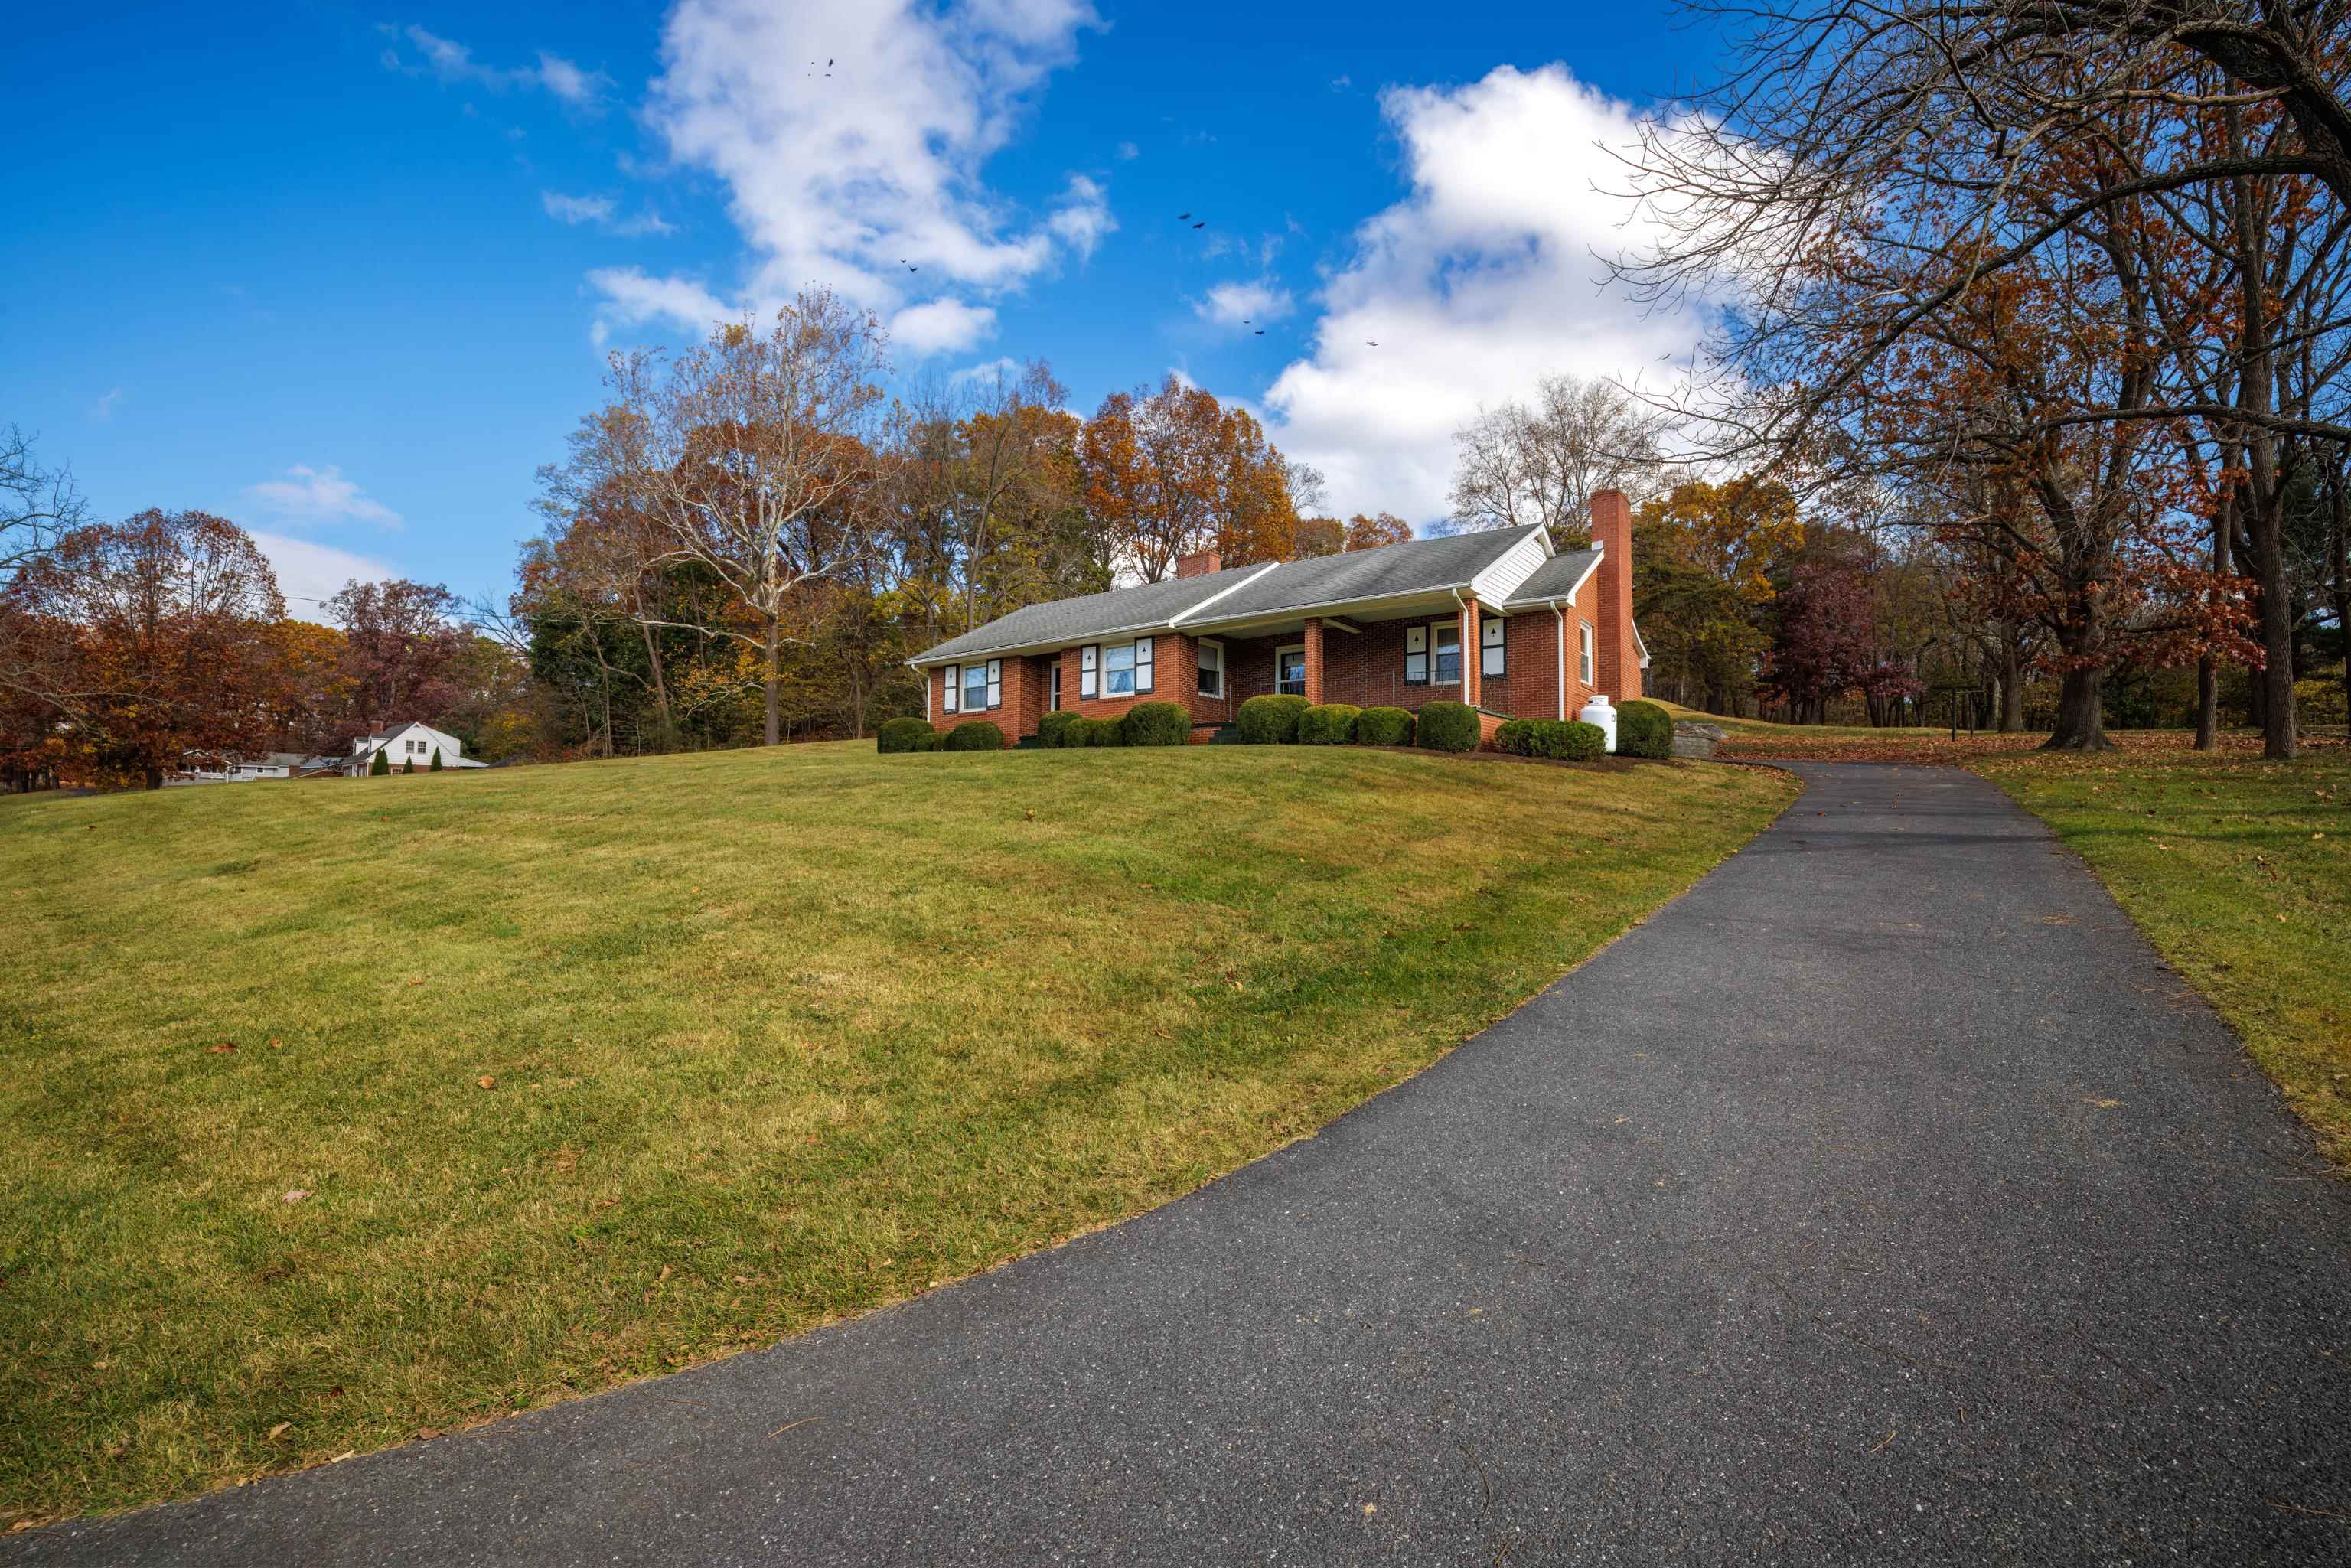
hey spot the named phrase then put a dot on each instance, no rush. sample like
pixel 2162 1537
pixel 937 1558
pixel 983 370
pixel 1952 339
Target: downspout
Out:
pixel 1560 646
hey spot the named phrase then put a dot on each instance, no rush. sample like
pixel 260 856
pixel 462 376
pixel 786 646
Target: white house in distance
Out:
pixel 406 743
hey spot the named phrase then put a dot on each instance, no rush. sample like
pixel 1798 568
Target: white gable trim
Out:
pixel 1501 576
pixel 1177 618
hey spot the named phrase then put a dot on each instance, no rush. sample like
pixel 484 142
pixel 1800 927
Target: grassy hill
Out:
pixel 341 1113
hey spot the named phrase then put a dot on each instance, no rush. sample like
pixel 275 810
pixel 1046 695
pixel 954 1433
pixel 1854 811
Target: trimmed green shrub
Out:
pixel 1329 724
pixel 1155 723
pixel 1053 729
pixel 974 734
pixel 901 735
pixel 437 761
pixel 936 740
pixel 1448 727
pixel 1269 720
pixel 382 766
pixel 1563 740
pixel 409 766
pixel 1383 727
pixel 1644 729
pixel 1104 732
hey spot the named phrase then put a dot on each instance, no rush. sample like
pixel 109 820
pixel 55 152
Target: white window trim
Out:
pixel 1586 660
pixel 1218 644
pixel 1299 649
pixel 1055 683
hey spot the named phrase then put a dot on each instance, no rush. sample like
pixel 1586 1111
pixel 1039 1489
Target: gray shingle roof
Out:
pixel 1415 566
pixel 1060 622
pixel 1556 578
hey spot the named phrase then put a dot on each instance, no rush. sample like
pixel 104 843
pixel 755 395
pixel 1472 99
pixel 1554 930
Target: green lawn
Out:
pixel 343 1111
pixel 2238 870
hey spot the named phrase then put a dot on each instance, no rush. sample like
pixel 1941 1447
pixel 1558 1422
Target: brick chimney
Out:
pixel 1620 657
pixel 1199 563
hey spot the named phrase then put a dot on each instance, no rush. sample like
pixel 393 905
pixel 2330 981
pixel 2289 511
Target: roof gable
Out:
pixel 1557 577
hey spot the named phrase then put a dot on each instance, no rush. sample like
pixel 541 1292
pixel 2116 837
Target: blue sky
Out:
pixel 342 275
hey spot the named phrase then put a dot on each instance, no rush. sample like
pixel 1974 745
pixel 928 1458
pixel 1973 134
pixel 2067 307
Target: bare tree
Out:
pixel 1541 462
pixel 36 505
pixel 746 456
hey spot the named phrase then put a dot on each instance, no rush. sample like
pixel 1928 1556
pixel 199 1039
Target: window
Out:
pixel 974 688
pixel 1583 662
pixel 1415 655
pixel 1057 682
pixel 1126 668
pixel 953 685
pixel 1489 646
pixel 1212 669
pixel 1447 639
pixel 1088 660
pixel 1289 671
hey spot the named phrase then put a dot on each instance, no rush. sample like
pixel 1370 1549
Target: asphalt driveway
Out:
pixel 1883 1200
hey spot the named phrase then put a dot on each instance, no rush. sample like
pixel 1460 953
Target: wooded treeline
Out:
pixel 2055 293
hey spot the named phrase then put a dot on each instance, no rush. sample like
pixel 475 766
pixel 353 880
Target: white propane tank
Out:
pixel 1597 711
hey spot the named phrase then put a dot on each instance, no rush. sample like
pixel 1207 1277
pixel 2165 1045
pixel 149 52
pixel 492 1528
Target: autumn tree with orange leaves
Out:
pixel 1171 472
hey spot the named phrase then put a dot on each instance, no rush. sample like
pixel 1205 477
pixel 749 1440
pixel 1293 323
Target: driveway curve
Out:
pixel 1884 1199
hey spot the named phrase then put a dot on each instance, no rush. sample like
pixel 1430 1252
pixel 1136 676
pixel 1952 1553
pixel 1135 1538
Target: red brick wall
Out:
pixel 1023 700
pixel 1620 657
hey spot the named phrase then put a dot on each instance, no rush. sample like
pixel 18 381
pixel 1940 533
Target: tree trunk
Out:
pixel 2343 592
pixel 2207 668
pixel 2012 689
pixel 2281 739
pixel 661 686
pixel 771 681
pixel 154 779
pixel 2081 713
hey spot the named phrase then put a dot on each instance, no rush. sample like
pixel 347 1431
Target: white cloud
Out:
pixel 103 409
pixel 603 212
pixel 577 209
pixel 851 137
pixel 309 573
pixel 986 369
pixel 451 61
pixel 304 495
pixel 1128 151
pixel 631 299
pixel 1083 218
pixel 941 326
pixel 1241 305
pixel 1479 281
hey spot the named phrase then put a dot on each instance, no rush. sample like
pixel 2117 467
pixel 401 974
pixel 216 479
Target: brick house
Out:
pixel 1500 620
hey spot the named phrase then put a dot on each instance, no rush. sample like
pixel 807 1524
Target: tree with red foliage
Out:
pixel 400 649
pixel 168 618
pixel 1825 642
